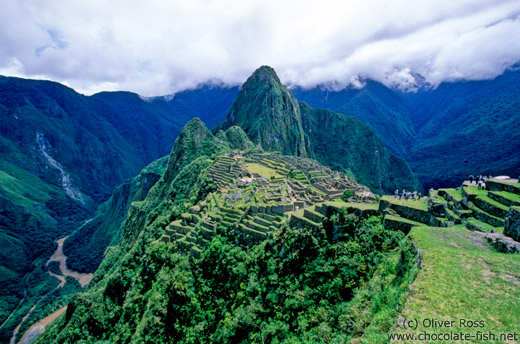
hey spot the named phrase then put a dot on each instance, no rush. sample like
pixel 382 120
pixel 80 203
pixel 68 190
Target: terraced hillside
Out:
pixel 232 244
pixel 465 277
pixel 256 192
pixel 493 212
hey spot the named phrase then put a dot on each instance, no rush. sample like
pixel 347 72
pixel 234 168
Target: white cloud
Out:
pixel 159 47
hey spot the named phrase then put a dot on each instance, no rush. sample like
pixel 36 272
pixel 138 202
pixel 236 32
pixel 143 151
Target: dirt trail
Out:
pixel 39 327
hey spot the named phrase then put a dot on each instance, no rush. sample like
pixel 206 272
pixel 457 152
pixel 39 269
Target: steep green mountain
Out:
pixel 84 248
pixel 345 144
pixel 269 114
pixel 210 255
pixel 239 245
pixel 374 104
pixel 61 155
pixel 272 118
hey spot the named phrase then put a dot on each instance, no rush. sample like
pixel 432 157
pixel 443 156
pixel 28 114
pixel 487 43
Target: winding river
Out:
pixel 39 327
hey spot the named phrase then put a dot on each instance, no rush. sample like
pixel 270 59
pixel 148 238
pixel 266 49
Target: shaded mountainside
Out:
pixel 100 140
pixel 62 154
pixel 345 144
pixel 272 118
pixel 473 129
pixel 445 134
pixel 290 281
pixel 269 114
pixel 84 248
pixel 375 104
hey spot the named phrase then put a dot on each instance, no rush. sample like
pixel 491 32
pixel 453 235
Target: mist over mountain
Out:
pixel 63 154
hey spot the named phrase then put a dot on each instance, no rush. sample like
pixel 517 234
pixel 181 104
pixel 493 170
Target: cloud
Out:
pixel 160 47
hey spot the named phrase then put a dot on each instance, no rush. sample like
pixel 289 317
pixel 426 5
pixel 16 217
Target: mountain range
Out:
pixel 445 133
pixel 63 154
pixel 208 255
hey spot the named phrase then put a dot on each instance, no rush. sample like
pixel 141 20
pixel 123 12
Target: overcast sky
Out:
pixel 158 47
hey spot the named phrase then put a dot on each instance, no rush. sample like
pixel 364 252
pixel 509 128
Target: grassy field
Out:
pixel 508 195
pixel 262 170
pixel 463 281
pixel 456 194
pixel 363 206
pixel 418 204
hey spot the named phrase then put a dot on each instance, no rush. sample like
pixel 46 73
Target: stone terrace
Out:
pixel 256 192
pixel 495 212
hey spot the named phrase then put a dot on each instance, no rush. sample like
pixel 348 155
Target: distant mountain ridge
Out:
pixel 445 134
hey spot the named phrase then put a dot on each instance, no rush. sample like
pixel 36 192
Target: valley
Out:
pixel 60 274
pixel 445 133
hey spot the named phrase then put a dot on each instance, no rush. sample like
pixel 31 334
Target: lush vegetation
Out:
pixel 333 284
pixel 99 141
pixel 345 279
pixel 84 248
pixel 298 286
pixel 32 215
pixel 50 303
pixel 34 285
pixel 375 104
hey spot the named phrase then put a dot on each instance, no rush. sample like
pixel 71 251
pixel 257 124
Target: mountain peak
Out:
pixel 269 114
pixel 265 73
pixel 195 139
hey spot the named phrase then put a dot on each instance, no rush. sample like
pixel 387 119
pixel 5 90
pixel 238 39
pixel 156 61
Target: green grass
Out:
pixel 456 194
pixel 508 195
pixel 483 195
pixel 317 191
pixel 422 205
pixel 300 214
pixel 403 219
pixel 23 188
pixel 262 170
pixel 462 278
pixel 361 206
pixel 486 227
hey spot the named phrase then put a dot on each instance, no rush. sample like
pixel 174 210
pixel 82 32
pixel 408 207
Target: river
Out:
pixel 39 327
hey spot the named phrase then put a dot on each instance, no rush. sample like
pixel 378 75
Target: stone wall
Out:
pixel 502 200
pixel 414 214
pixel 404 227
pixel 490 208
pixel 512 223
pixel 500 186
